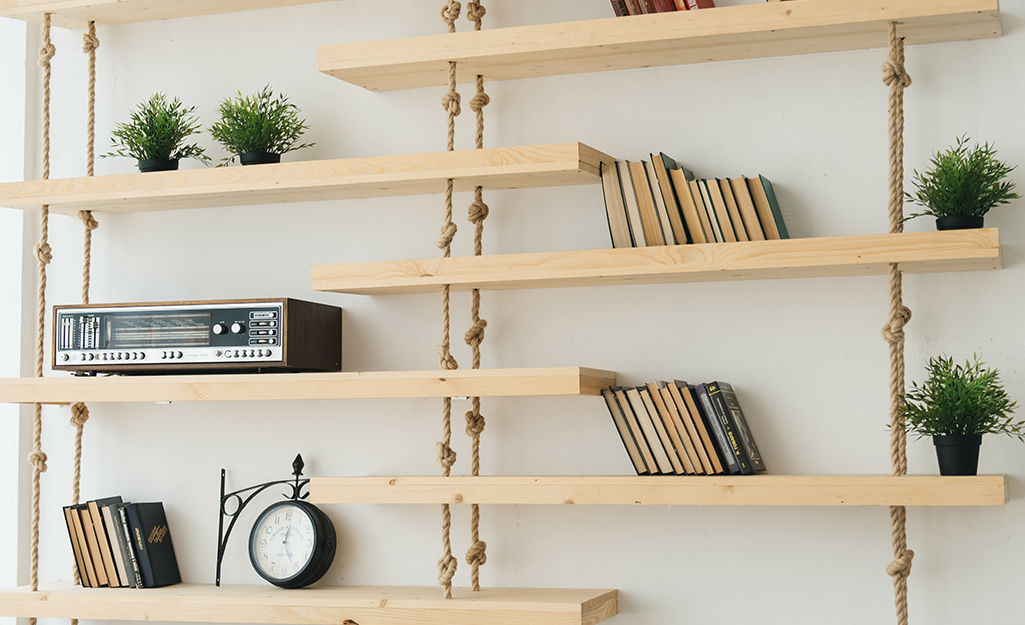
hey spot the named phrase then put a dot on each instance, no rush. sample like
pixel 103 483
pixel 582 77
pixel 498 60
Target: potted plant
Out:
pixel 963 184
pixel 259 128
pixel 956 405
pixel 156 135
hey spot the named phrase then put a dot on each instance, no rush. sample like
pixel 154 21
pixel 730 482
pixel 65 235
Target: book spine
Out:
pixel 722 444
pixel 139 544
pixel 126 528
pixel 730 428
pixel 123 546
pixel 629 442
pixel 747 439
pixel 619 6
pixel 75 549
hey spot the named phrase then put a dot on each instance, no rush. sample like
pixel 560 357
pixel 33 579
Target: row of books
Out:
pixel 674 428
pixel 641 7
pixel 119 544
pixel 662 203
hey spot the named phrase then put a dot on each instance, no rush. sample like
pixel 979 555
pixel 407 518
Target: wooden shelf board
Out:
pixel 748 490
pixel 727 33
pixel 78 13
pixel 317 605
pixel 921 252
pixel 303 181
pixel 300 386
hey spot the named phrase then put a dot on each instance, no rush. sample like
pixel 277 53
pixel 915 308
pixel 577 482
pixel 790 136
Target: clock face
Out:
pixel 292 544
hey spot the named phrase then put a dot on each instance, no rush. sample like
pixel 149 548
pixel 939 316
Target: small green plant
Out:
pixel 960 399
pixel 963 181
pixel 158 130
pixel 261 123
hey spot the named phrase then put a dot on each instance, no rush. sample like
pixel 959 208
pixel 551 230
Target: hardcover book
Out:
pixel 615 211
pixel 665 467
pixel 151 540
pixel 677 433
pixel 747 439
pixel 683 395
pixel 663 165
pixel 768 208
pixel 104 541
pixel 719 435
pixel 628 437
pixel 635 428
pixel 730 428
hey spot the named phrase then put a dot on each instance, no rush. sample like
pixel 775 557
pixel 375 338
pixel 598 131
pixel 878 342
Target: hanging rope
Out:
pixel 446 455
pixel 42 251
pixel 477 213
pixel 895 77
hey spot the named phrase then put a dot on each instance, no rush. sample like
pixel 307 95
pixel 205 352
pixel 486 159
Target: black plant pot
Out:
pixel 259 158
pixel 158 164
pixel 958 454
pixel 959 222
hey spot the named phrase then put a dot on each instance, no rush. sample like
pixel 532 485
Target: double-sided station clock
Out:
pixel 292 544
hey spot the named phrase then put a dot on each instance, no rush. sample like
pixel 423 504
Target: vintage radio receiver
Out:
pixel 180 337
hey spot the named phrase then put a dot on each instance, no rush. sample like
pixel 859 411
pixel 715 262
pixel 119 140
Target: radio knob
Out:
pixel 178 355
pixel 142 355
pixel 64 357
pixel 238 328
pixel 218 328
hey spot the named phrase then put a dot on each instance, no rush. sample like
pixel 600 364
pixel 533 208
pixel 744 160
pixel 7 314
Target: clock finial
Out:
pixel 297 465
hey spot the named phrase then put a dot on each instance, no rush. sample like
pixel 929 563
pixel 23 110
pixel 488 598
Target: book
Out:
pixel 663 165
pixel 768 208
pixel 635 428
pixel 732 210
pixel 681 5
pixel 151 540
pixel 619 6
pixel 732 432
pixel 633 211
pixel 677 433
pixel 646 204
pixel 615 211
pixel 716 429
pixel 648 6
pixel 634 7
pixel 683 395
pixel 77 547
pixel 127 533
pixel 747 439
pixel 93 545
pixel 688 436
pixel 700 4
pixel 665 430
pixel 748 212
pixel 103 541
pixel 628 437
pixel 660 205
pixel 658 450
pixel 722 223
pixel 667 6
pixel 119 544
pixel 702 209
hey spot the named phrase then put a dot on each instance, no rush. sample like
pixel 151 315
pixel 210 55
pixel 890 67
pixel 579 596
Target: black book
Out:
pixel 151 540
pixel 730 428
pixel 719 438
pixel 747 439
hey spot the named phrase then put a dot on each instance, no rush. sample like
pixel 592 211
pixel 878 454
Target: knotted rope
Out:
pixel 43 254
pixel 447 564
pixel 478 211
pixel 897 79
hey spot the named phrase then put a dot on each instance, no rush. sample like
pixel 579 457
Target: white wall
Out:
pixel 805 355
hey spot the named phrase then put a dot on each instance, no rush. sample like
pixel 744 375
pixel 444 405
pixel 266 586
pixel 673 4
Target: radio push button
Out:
pixel 218 328
pixel 238 327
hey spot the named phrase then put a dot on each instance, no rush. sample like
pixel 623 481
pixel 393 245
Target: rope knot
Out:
pixel 46 52
pixel 79 414
pixel 475 11
pixel 446 456
pixel 448 362
pixel 479 101
pixel 893 332
pixel 450 13
pixel 894 74
pixel 448 232
pixel 38 461
pixel 475 335
pixel 450 102
pixel 88 220
pixel 43 253
pixel 476 554
pixel 447 569
pixel 901 566
pixel 477 212
pixel 90 42
pixel 474 423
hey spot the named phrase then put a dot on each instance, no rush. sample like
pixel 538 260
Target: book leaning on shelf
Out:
pixel 674 428
pixel 119 544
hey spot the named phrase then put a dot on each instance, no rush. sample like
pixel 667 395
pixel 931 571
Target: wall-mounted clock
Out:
pixel 292 544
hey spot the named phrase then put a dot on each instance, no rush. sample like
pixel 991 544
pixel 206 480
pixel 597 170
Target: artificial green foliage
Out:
pixel 960 399
pixel 259 123
pixel 963 182
pixel 158 130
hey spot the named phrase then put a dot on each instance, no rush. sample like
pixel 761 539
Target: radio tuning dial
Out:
pixel 218 328
pixel 238 328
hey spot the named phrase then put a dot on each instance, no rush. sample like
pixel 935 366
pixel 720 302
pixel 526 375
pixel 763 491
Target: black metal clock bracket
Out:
pixel 240 502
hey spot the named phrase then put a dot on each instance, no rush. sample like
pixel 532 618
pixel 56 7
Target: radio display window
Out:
pixel 158 330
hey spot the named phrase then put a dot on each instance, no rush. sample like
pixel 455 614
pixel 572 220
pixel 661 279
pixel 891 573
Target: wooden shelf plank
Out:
pixel 317 605
pixel 961 250
pixel 408 174
pixel 749 490
pixel 78 13
pixel 300 386
pixel 727 33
